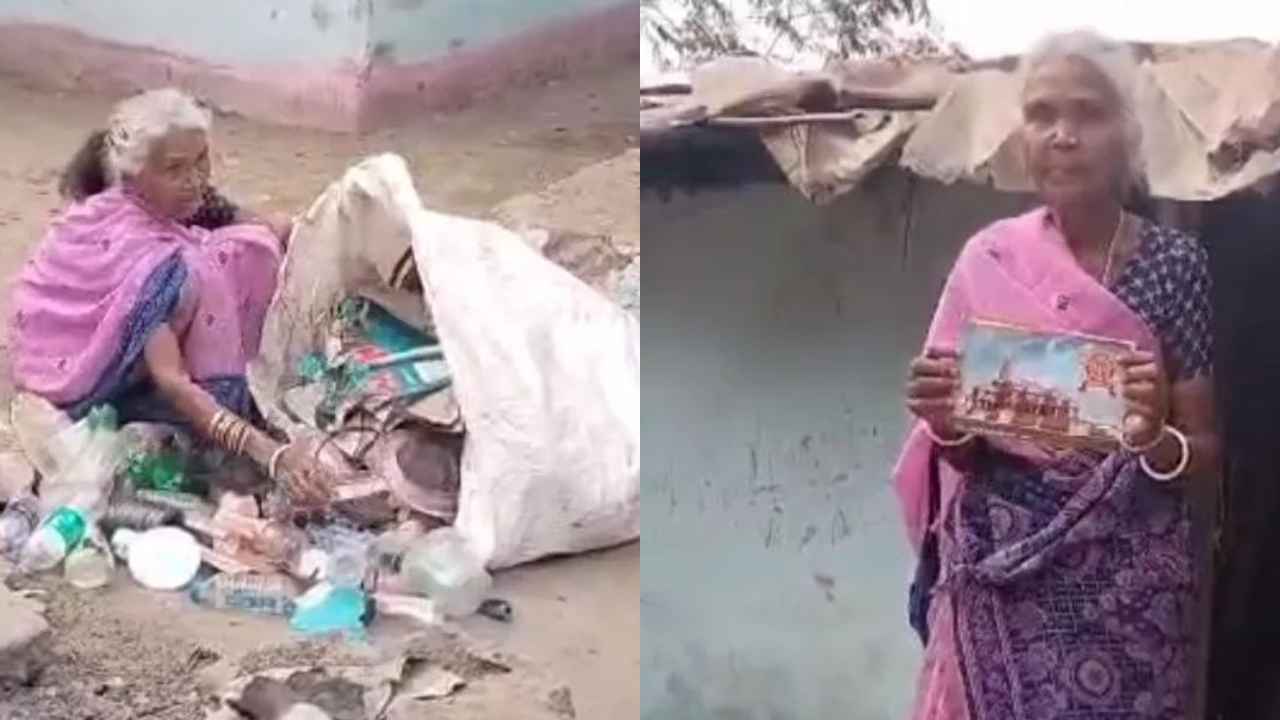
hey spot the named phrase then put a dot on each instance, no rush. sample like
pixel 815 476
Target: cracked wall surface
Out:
pixel 776 341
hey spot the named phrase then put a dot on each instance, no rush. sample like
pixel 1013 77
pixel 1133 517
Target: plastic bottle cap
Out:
pixel 121 540
pixel 165 558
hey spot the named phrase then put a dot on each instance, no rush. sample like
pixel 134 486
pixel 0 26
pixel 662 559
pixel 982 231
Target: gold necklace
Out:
pixel 1111 250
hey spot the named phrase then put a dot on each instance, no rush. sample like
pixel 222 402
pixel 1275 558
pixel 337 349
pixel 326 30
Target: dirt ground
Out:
pixel 127 653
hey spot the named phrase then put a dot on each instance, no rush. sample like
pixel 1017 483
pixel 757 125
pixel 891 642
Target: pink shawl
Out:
pixel 1019 271
pixel 108 272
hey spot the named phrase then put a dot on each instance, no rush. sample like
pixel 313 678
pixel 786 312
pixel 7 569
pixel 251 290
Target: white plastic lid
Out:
pixel 164 558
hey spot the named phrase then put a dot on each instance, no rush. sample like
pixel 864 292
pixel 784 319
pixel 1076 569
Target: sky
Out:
pixel 986 28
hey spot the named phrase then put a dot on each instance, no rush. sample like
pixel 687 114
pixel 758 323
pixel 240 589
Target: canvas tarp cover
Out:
pixel 1210 114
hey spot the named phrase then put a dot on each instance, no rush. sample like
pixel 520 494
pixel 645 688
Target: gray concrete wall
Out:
pixel 776 337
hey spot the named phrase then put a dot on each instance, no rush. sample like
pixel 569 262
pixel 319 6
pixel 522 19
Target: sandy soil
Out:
pixel 124 653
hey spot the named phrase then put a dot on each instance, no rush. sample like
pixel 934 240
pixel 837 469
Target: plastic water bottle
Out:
pixel 17 522
pixel 346 568
pixel 442 566
pixel 56 536
pixel 164 471
pixel 89 567
pixel 248 592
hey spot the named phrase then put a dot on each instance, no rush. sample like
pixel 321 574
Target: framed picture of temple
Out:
pixel 1057 389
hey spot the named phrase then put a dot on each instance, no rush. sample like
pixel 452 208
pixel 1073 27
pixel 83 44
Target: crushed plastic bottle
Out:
pixel 39 425
pixel 87 455
pixel 347 567
pixel 190 505
pixel 248 592
pixel 420 609
pixel 60 533
pixel 346 554
pixel 441 566
pixel 17 522
pixel 164 471
pixel 137 515
pixel 89 567
pixel 326 609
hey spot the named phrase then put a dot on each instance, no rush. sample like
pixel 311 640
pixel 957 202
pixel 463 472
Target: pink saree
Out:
pixel 1065 584
pixel 108 273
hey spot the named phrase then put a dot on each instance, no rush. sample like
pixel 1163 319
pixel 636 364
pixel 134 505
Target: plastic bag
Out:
pixel 547 373
pixel 36 422
pixel 441 566
pixel 85 458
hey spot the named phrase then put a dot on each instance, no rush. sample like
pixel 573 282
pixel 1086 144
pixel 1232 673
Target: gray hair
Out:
pixel 1117 64
pixel 137 122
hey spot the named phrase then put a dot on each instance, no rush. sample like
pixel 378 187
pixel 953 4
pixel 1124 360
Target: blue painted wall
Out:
pixel 264 32
pixel 246 32
pixel 776 336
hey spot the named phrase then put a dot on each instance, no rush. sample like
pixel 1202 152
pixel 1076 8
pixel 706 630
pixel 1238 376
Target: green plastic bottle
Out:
pixel 164 471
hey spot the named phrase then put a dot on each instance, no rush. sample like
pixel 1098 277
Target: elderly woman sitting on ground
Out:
pixel 149 292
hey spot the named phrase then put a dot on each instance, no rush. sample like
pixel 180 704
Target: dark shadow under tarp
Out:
pixel 1243 236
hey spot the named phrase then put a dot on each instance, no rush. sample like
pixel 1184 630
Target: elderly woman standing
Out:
pixel 1066 580
pixel 132 299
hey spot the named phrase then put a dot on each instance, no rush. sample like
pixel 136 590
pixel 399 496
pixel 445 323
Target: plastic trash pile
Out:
pixel 539 391
pixel 110 501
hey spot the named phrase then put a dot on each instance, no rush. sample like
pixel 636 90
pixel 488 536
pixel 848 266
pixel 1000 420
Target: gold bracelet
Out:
pixel 229 432
pixel 216 425
pixel 226 431
pixel 235 432
pixel 244 438
pixel 273 466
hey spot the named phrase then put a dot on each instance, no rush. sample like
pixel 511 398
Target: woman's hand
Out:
pixel 304 476
pixel 1145 389
pixel 932 387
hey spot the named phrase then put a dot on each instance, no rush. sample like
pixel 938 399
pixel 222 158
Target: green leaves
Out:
pixel 688 32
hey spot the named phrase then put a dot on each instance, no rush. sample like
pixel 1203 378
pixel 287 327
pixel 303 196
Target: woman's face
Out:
pixel 1073 133
pixel 176 172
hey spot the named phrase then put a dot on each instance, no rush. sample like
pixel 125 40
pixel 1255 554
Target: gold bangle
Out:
pixel 224 434
pixel 233 436
pixel 216 425
pixel 241 436
pixel 244 438
pixel 229 432
pixel 212 428
pixel 273 466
